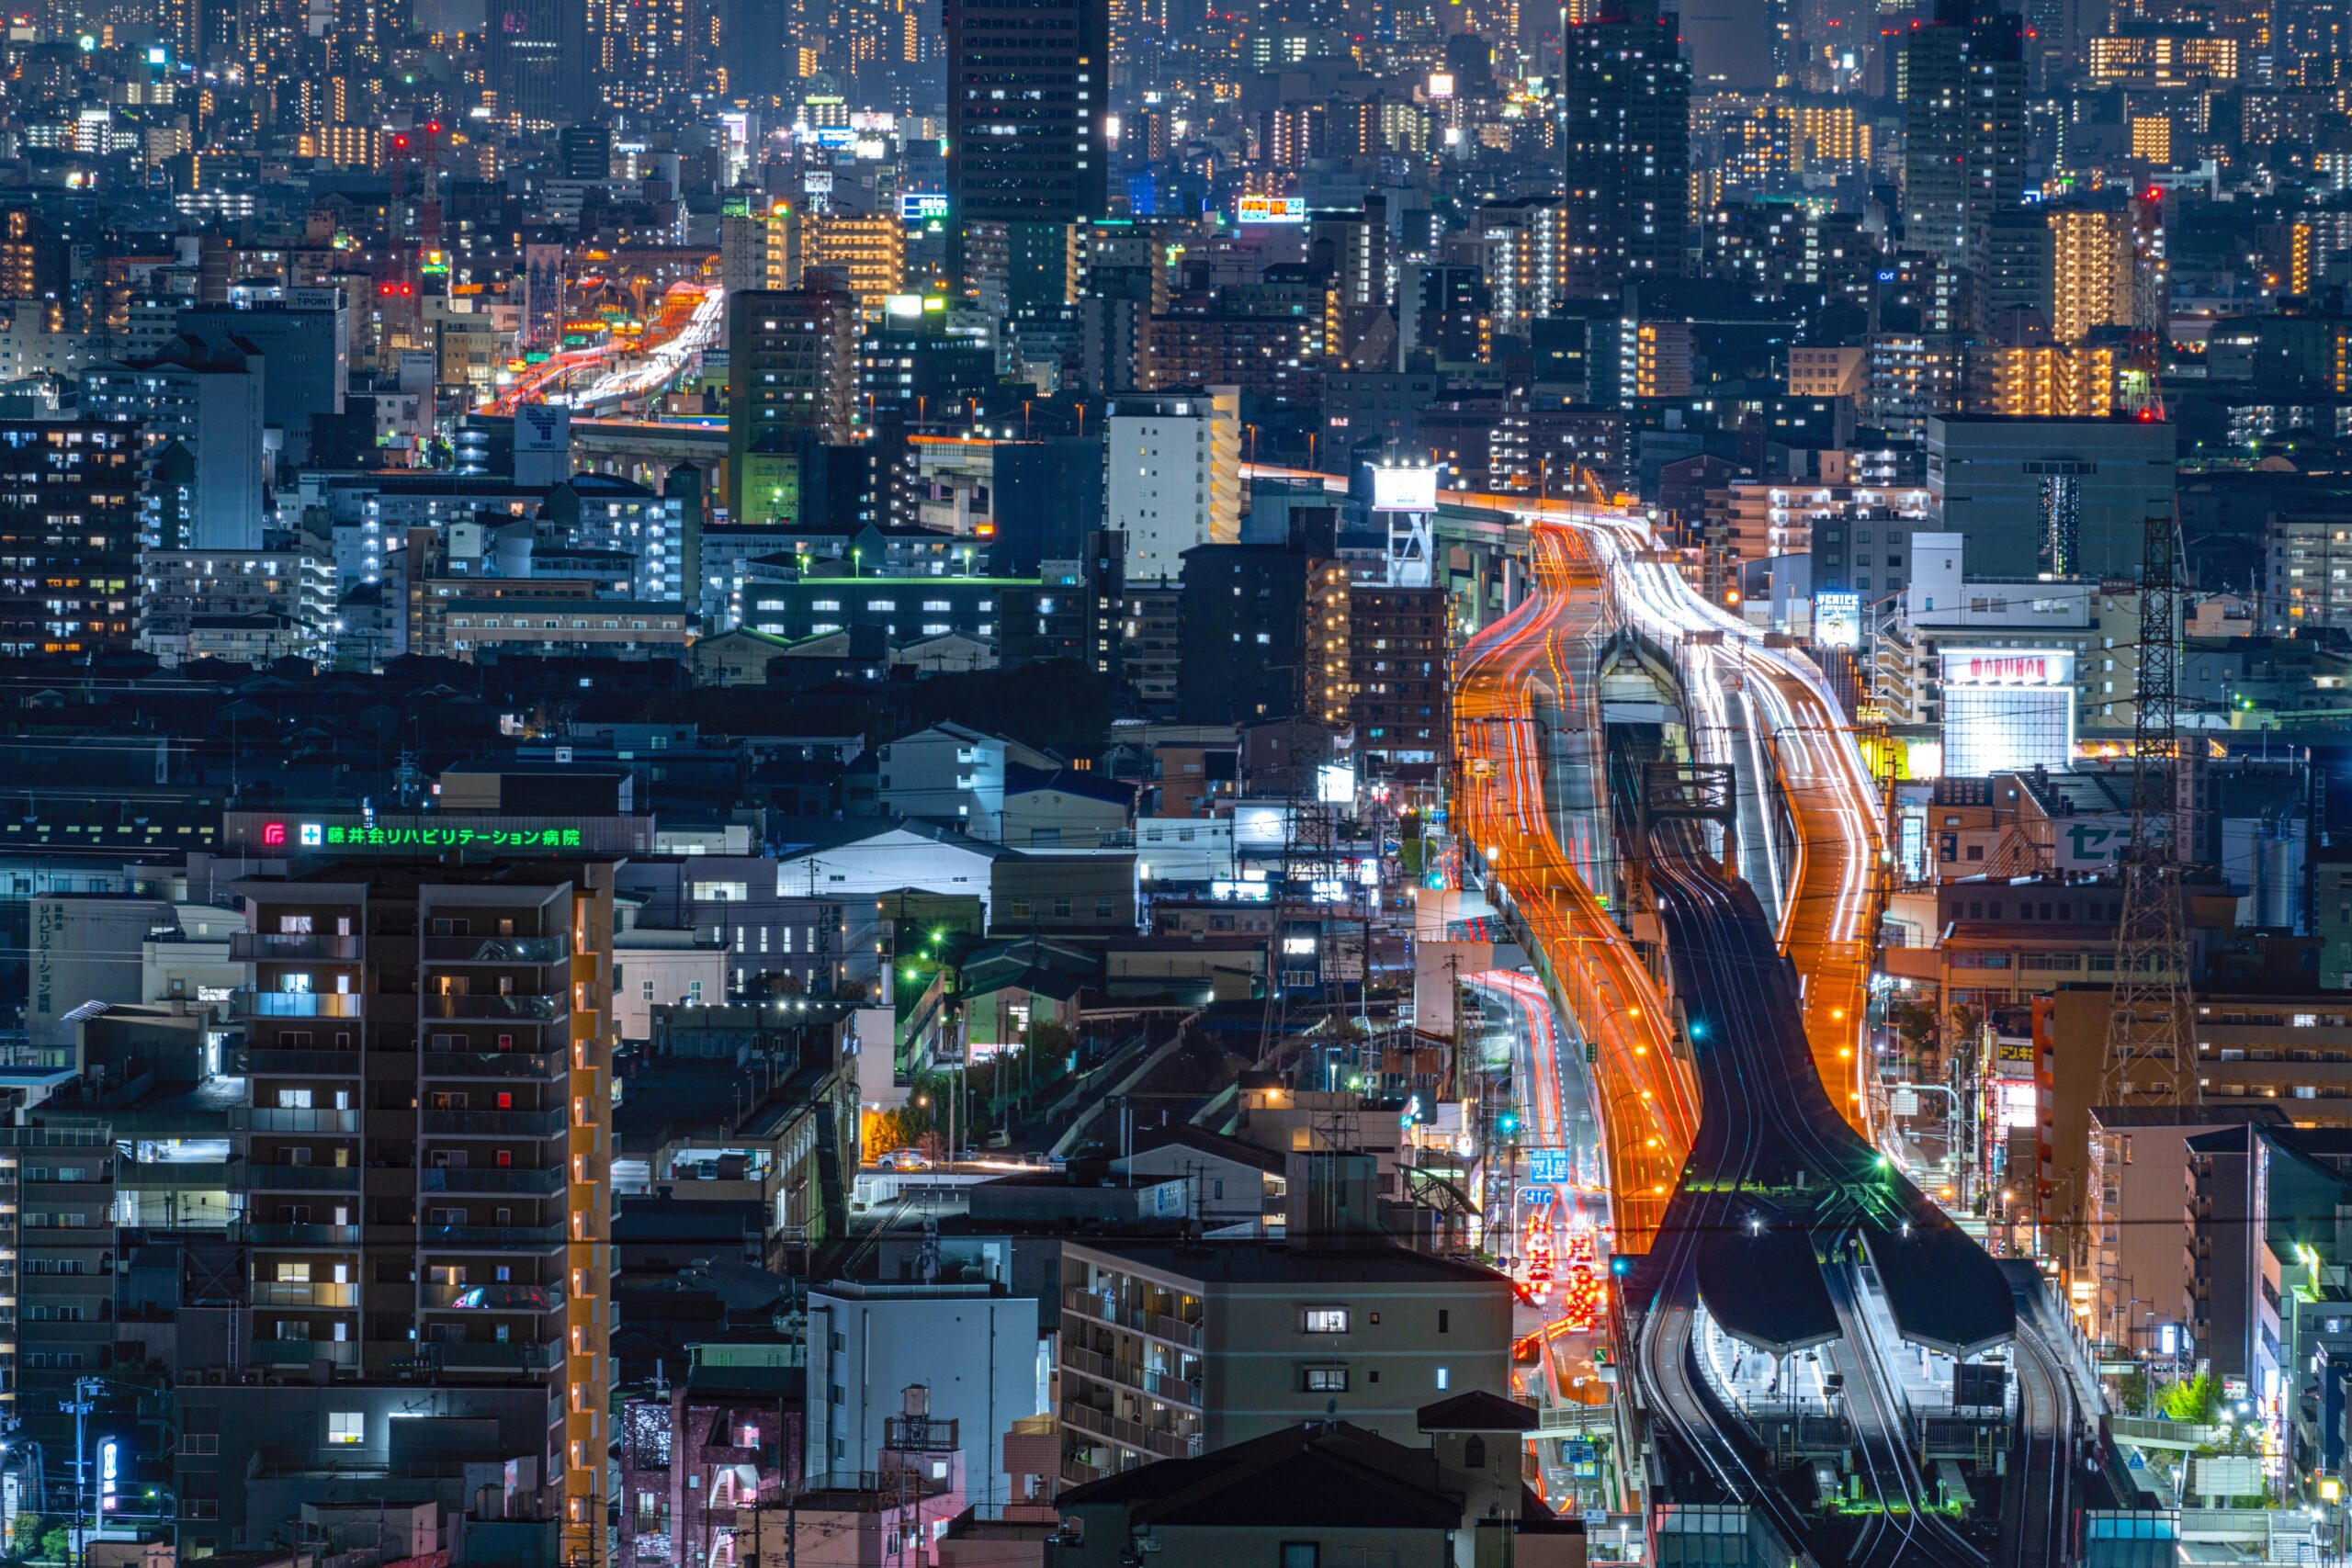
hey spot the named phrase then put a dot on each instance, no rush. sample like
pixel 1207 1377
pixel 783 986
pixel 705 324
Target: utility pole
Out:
pixel 2148 1049
pixel 79 1407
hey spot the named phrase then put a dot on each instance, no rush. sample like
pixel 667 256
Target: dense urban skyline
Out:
pixel 1025 784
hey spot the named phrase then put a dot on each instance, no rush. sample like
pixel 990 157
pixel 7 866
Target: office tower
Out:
pixel 1963 126
pixel 213 405
pixel 1731 44
pixel 539 62
pixel 68 535
pixel 914 369
pixel 1625 139
pixel 585 151
pixel 1028 87
pixel 305 349
pixel 425 1188
pixel 792 372
pixel 2071 496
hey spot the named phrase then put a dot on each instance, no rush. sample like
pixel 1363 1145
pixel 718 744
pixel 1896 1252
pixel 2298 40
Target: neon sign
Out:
pixel 334 836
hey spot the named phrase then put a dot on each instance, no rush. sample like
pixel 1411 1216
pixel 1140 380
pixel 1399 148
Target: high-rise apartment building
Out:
pixel 425 1188
pixel 212 405
pixel 864 253
pixel 2090 274
pixel 1625 140
pixel 1172 472
pixel 1963 126
pixel 68 535
pixel 792 375
pixel 1028 93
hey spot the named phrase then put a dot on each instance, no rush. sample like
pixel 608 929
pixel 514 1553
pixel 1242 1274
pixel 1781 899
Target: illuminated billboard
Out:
pixel 2008 711
pixel 1404 489
pixel 1271 209
pixel 921 205
pixel 1838 619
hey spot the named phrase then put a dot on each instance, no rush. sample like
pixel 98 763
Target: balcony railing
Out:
pixel 269 1061
pixel 461 1178
pixel 155 1175
pixel 497 949
pixel 1166 1443
pixel 302 1352
pixel 270 1234
pixel 246 1002
pixel 495 1237
pixel 1160 1385
pixel 503 1296
pixel 496 1123
pixel 292 1118
pixel 315 1293
pixel 287 947
pixel 1177 1329
pixel 296 1178
pixel 491 1065
pixel 492 1357
pixel 529 1010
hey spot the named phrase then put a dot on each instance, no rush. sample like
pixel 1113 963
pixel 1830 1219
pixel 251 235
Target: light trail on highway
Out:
pixel 1832 890
pixel 691 319
pixel 1649 1107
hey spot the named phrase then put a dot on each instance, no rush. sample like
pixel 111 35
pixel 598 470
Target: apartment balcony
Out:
pixel 499 1296
pixel 100 1234
pixel 263 1061
pixel 286 1234
pixel 475 1238
pixel 302 1352
pixel 527 1009
pixel 478 1356
pixel 276 947
pixel 166 1175
pixel 493 1065
pixel 1086 1303
pixel 1127 1375
pixel 292 1118
pixel 247 1002
pixel 1165 1442
pixel 312 1293
pixel 497 949
pixel 543 1183
pixel 296 1178
pixel 494 1123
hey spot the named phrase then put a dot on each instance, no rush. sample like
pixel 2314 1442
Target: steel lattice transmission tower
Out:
pixel 2150 1057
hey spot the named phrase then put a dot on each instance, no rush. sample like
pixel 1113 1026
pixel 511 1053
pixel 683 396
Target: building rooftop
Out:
pixel 1257 1262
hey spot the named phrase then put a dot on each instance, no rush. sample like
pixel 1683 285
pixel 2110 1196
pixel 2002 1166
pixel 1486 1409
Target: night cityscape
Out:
pixel 1097 784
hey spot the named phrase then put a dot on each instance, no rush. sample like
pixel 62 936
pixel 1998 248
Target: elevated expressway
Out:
pixel 1649 1107
pixel 1780 1219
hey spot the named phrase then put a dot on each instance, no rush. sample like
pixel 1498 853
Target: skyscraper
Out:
pixel 1625 138
pixel 1028 91
pixel 1963 127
